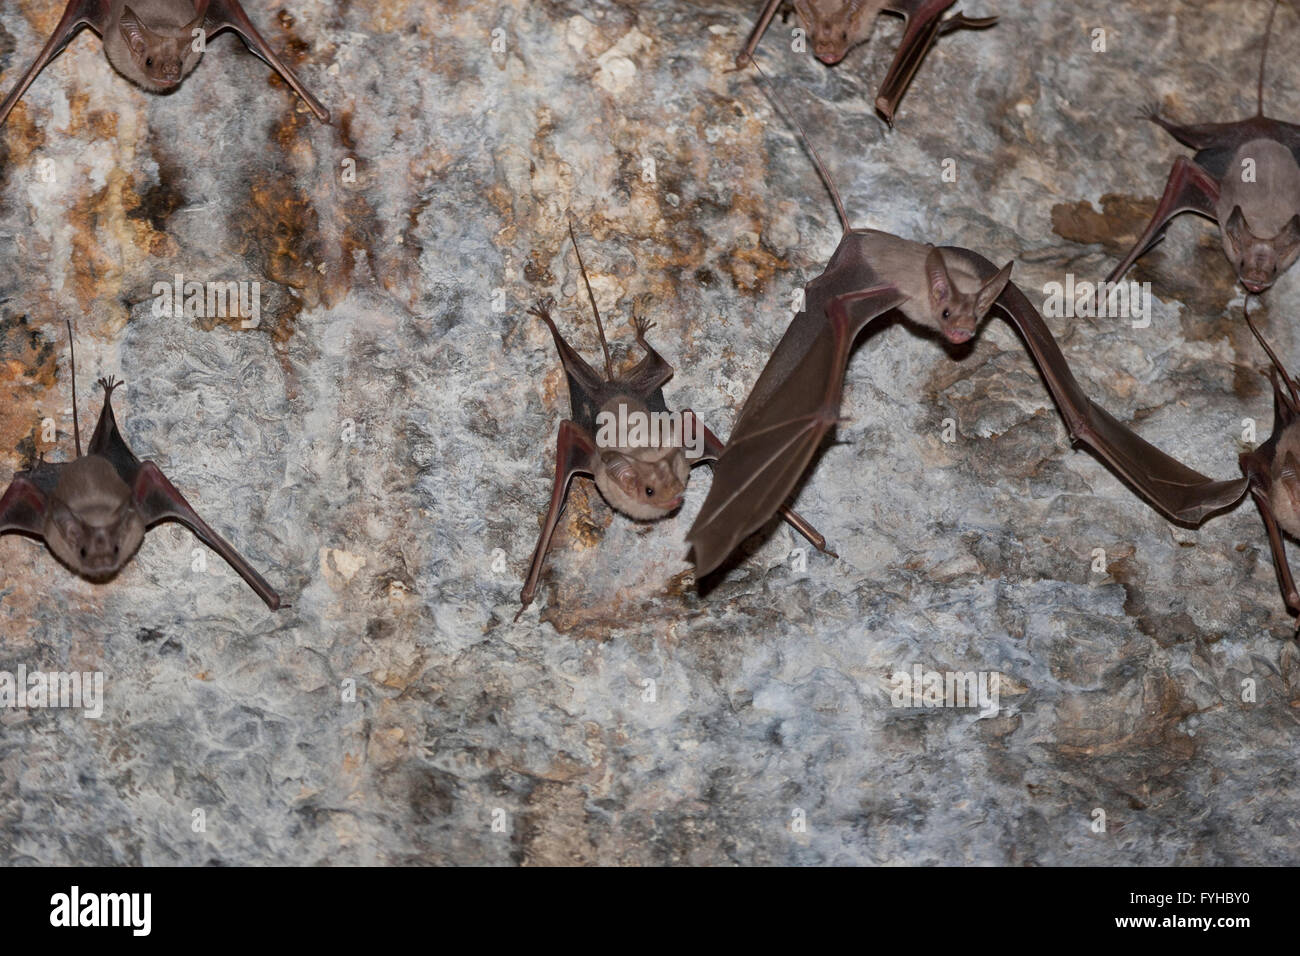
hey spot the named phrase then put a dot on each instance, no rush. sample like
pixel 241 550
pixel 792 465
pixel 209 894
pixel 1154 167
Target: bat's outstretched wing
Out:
pixel 78 13
pixel 1180 493
pixel 22 509
pixel 574 450
pixel 157 500
pixel 229 15
pixel 924 23
pixel 794 403
pixel 1188 189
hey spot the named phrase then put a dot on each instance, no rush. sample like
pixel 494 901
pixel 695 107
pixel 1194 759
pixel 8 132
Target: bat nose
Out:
pixel 958 336
pixel 99 551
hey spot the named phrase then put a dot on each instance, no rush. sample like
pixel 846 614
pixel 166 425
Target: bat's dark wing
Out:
pixel 794 403
pixel 22 508
pixel 229 15
pixel 1216 143
pixel 1176 491
pixel 107 441
pixel 924 23
pixel 157 500
pixel 78 13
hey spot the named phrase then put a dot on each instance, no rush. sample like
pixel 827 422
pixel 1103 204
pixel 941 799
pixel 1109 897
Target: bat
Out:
pixel 948 290
pixel 93 512
pixel 1245 177
pixel 1273 471
pixel 154 43
pixel 837 26
pixel 642 480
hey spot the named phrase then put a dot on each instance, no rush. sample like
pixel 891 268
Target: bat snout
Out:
pixel 100 553
pixel 829 55
pixel 958 336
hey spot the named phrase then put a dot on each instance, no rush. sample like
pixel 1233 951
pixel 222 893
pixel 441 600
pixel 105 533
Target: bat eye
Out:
pixel 947 313
pixel 649 492
pixel 83 552
pixel 148 61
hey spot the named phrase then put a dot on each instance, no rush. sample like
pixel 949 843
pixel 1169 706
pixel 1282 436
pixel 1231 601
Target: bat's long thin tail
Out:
pixel 72 355
pixel 766 87
pixel 600 327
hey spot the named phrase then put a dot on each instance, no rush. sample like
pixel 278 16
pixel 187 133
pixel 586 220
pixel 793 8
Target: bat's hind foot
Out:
pixel 108 384
pixel 640 326
pixel 542 308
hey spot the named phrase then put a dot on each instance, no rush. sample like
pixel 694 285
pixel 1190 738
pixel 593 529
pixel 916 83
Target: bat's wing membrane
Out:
pixel 712 451
pixel 1175 490
pixel 157 500
pixel 22 509
pixel 1190 188
pixel 794 403
pixel 229 15
pixel 574 449
pixel 77 14
pixel 924 23
pixel 107 440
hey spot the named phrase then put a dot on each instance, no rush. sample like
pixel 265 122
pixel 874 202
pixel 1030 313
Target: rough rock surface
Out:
pixel 381 446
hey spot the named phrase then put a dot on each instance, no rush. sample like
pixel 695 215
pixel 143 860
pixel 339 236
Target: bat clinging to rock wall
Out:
pixel 155 43
pixel 93 512
pixel 643 481
pixel 837 26
pixel 1244 176
pixel 796 399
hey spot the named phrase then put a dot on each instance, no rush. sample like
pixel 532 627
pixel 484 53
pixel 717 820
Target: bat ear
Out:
pixel 135 33
pixel 1236 227
pixel 1290 234
pixel 618 467
pixel 936 278
pixel 990 291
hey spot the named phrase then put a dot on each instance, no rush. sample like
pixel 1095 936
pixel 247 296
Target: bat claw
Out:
pixel 542 307
pixel 108 384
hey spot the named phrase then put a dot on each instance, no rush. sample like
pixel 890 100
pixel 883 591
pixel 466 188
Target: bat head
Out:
pixel 92 525
pixel 1259 261
pixel 159 55
pixel 643 483
pixel 953 312
pixel 836 26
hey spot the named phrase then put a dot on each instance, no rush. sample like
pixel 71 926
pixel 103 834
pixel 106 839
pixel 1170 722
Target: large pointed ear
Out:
pixel 619 467
pixel 1289 236
pixel 135 33
pixel 1236 227
pixel 990 291
pixel 1290 467
pixel 937 279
